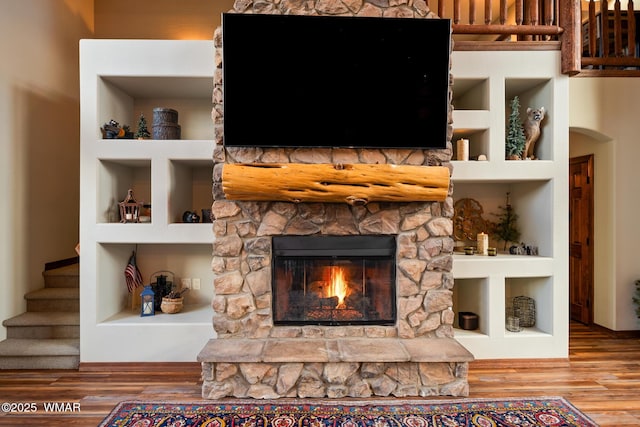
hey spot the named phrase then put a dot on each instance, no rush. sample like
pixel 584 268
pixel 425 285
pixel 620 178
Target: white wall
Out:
pixel 159 19
pixel 39 138
pixel 603 117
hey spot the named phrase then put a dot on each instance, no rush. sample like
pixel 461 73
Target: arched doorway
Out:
pixel 595 270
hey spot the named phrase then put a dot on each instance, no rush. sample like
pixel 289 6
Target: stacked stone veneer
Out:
pixel 253 358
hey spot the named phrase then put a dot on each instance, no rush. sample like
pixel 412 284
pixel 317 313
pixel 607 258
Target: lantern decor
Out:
pixel 147 307
pixel 129 208
pixel 161 286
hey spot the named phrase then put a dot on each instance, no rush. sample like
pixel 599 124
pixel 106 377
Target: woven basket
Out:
pixel 171 305
pixel 524 308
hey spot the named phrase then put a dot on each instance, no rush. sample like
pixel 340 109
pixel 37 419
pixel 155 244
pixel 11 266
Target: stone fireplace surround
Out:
pixel 251 357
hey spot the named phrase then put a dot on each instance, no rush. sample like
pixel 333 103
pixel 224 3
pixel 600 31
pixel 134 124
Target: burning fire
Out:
pixel 338 285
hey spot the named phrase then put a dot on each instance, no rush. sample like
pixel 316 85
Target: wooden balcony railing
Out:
pixel 590 45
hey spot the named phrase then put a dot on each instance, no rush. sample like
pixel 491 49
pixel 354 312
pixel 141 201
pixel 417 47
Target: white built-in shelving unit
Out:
pixel 120 79
pixel 484 84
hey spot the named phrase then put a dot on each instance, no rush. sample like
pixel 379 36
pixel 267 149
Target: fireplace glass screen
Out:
pixel 334 280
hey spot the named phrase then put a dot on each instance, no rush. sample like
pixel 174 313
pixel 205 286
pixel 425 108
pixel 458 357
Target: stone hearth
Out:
pixel 353 367
pixel 417 356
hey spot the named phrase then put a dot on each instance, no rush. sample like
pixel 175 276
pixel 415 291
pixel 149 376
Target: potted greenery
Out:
pixel 516 139
pixel 506 229
pixel 142 132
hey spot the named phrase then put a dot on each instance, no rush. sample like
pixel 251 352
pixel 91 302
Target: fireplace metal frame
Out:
pixel 336 247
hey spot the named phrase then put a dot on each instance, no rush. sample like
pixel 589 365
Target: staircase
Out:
pixel 47 336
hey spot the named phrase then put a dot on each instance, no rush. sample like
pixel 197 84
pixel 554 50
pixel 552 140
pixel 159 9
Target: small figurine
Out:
pixel 190 217
pixel 532 131
pixel 142 132
pixel 113 130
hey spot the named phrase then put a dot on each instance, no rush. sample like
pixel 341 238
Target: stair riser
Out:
pixel 61 281
pixel 43 332
pixel 39 362
pixel 53 305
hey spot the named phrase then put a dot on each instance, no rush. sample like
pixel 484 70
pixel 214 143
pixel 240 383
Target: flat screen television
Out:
pixel 335 81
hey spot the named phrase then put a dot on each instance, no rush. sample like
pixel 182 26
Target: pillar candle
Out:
pixel 483 243
pixel 462 148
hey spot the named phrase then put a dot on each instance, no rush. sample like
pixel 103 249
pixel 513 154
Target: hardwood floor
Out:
pixel 601 378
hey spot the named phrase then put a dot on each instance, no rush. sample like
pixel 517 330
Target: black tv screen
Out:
pixel 321 81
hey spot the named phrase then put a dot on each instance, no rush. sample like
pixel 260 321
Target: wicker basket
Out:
pixel 524 308
pixel 171 305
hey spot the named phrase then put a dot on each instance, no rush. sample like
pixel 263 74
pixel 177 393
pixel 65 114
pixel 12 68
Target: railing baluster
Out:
pixel 503 12
pixel 519 11
pixel 441 8
pixel 456 11
pixel 631 29
pixel 549 13
pixel 593 23
pixel 604 28
pixel 487 12
pixel 472 12
pixel 617 29
pixel 533 12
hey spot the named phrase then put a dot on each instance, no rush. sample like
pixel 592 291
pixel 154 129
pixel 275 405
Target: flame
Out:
pixel 338 285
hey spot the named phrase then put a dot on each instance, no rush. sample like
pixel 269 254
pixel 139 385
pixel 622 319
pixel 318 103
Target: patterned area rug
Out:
pixel 523 412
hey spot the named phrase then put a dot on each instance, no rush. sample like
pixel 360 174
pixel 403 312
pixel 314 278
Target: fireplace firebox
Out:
pixel 334 280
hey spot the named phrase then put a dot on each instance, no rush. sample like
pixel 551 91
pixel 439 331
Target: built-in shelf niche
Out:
pixel 124 98
pixel 479 142
pixel 472 295
pixel 530 201
pixel 541 290
pixel 470 94
pixel 184 261
pixel 190 188
pixel 534 93
pixel 115 178
pixel 471 115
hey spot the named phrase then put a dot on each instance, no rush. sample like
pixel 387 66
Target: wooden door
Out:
pixel 581 239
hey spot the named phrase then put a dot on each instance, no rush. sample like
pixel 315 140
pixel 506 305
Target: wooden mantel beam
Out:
pixel 356 184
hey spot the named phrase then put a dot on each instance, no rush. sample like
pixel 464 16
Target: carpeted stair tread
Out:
pixel 39 347
pixel 44 318
pixel 67 270
pixel 67 276
pixel 53 299
pixel 53 293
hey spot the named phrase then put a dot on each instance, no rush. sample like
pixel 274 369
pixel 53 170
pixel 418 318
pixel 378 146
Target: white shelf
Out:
pixel 126 149
pixel 200 233
pixel 190 315
pixel 471 266
pixel 172 176
pixel 467 120
pixel 162 337
pixel 486 82
pixel 501 170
